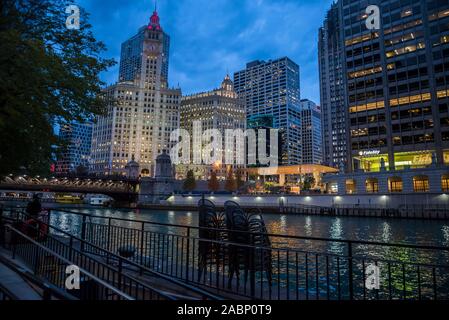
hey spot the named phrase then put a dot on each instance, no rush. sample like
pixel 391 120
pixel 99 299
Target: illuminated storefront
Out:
pixel 370 160
pixel 418 159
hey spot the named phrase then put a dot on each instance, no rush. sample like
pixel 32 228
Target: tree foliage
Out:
pixel 49 77
pixel 189 182
pixel 308 183
pixel 213 184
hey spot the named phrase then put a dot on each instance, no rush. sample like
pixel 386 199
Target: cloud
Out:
pixel 210 37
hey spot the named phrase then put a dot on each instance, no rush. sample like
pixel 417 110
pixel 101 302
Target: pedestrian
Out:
pixel 34 207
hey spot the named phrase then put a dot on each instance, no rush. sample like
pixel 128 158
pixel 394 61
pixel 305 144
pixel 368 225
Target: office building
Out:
pixel 77 137
pixel 143 110
pixel 332 89
pixel 397 79
pixel 219 109
pixel 311 134
pixel 272 88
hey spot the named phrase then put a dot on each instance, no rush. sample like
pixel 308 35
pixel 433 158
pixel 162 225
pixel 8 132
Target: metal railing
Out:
pixel 293 267
pixel 6 295
pixel 112 267
pixel 50 266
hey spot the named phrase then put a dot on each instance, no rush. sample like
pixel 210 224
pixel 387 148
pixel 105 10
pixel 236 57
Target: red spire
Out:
pixel 154 21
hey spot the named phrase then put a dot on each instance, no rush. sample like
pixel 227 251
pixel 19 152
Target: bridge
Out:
pixel 120 189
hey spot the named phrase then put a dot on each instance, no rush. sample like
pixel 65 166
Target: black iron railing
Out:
pixel 50 266
pixel 298 268
pixel 112 267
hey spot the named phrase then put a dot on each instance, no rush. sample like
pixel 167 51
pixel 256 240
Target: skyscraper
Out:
pixel 78 138
pixel 332 89
pixel 397 79
pixel 219 109
pixel 131 51
pixel 272 88
pixel 143 110
pixel 311 133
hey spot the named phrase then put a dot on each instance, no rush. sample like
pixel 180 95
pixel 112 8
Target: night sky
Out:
pixel 210 37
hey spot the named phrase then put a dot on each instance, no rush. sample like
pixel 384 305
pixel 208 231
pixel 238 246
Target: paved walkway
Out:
pixel 17 285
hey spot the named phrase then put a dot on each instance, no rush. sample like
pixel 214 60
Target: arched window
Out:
pixel 372 185
pixel 395 184
pixel 351 186
pixel 445 183
pixel 421 184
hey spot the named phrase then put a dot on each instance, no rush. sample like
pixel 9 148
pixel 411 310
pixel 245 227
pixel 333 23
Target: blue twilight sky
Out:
pixel 209 37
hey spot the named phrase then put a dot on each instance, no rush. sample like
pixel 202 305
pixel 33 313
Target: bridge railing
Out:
pixel 293 267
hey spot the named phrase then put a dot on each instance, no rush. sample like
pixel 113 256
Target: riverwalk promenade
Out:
pixel 147 260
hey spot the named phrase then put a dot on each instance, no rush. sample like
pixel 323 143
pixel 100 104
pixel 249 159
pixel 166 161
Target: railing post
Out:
pixel 350 272
pixel 83 232
pixel 142 233
pixel 252 267
pixel 36 261
pixel 120 270
pixel 71 248
pixel 188 254
pixel 108 244
pixel 14 243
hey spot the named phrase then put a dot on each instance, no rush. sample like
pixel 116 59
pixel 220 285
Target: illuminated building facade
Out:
pixel 397 81
pixel 219 109
pixel 143 111
pixel 272 88
pixel 311 133
pixel 78 137
pixel 332 89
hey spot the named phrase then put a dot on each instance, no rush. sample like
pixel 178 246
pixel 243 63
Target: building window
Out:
pixel 445 183
pixel 145 173
pixel 421 184
pixel 351 186
pixel 372 185
pixel 395 184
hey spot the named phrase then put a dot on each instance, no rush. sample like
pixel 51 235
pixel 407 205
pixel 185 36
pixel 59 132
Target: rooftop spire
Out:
pixel 154 20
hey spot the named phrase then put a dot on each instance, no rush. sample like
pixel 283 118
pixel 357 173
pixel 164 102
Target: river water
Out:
pixel 420 232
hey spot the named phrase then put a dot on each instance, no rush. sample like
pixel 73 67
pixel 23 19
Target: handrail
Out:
pixel 83 271
pixel 6 293
pixel 44 285
pixel 360 242
pixel 118 257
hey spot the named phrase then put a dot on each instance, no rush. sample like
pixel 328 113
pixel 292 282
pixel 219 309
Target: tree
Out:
pixel 189 182
pixel 230 184
pixel 49 77
pixel 308 182
pixel 239 179
pixel 213 183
